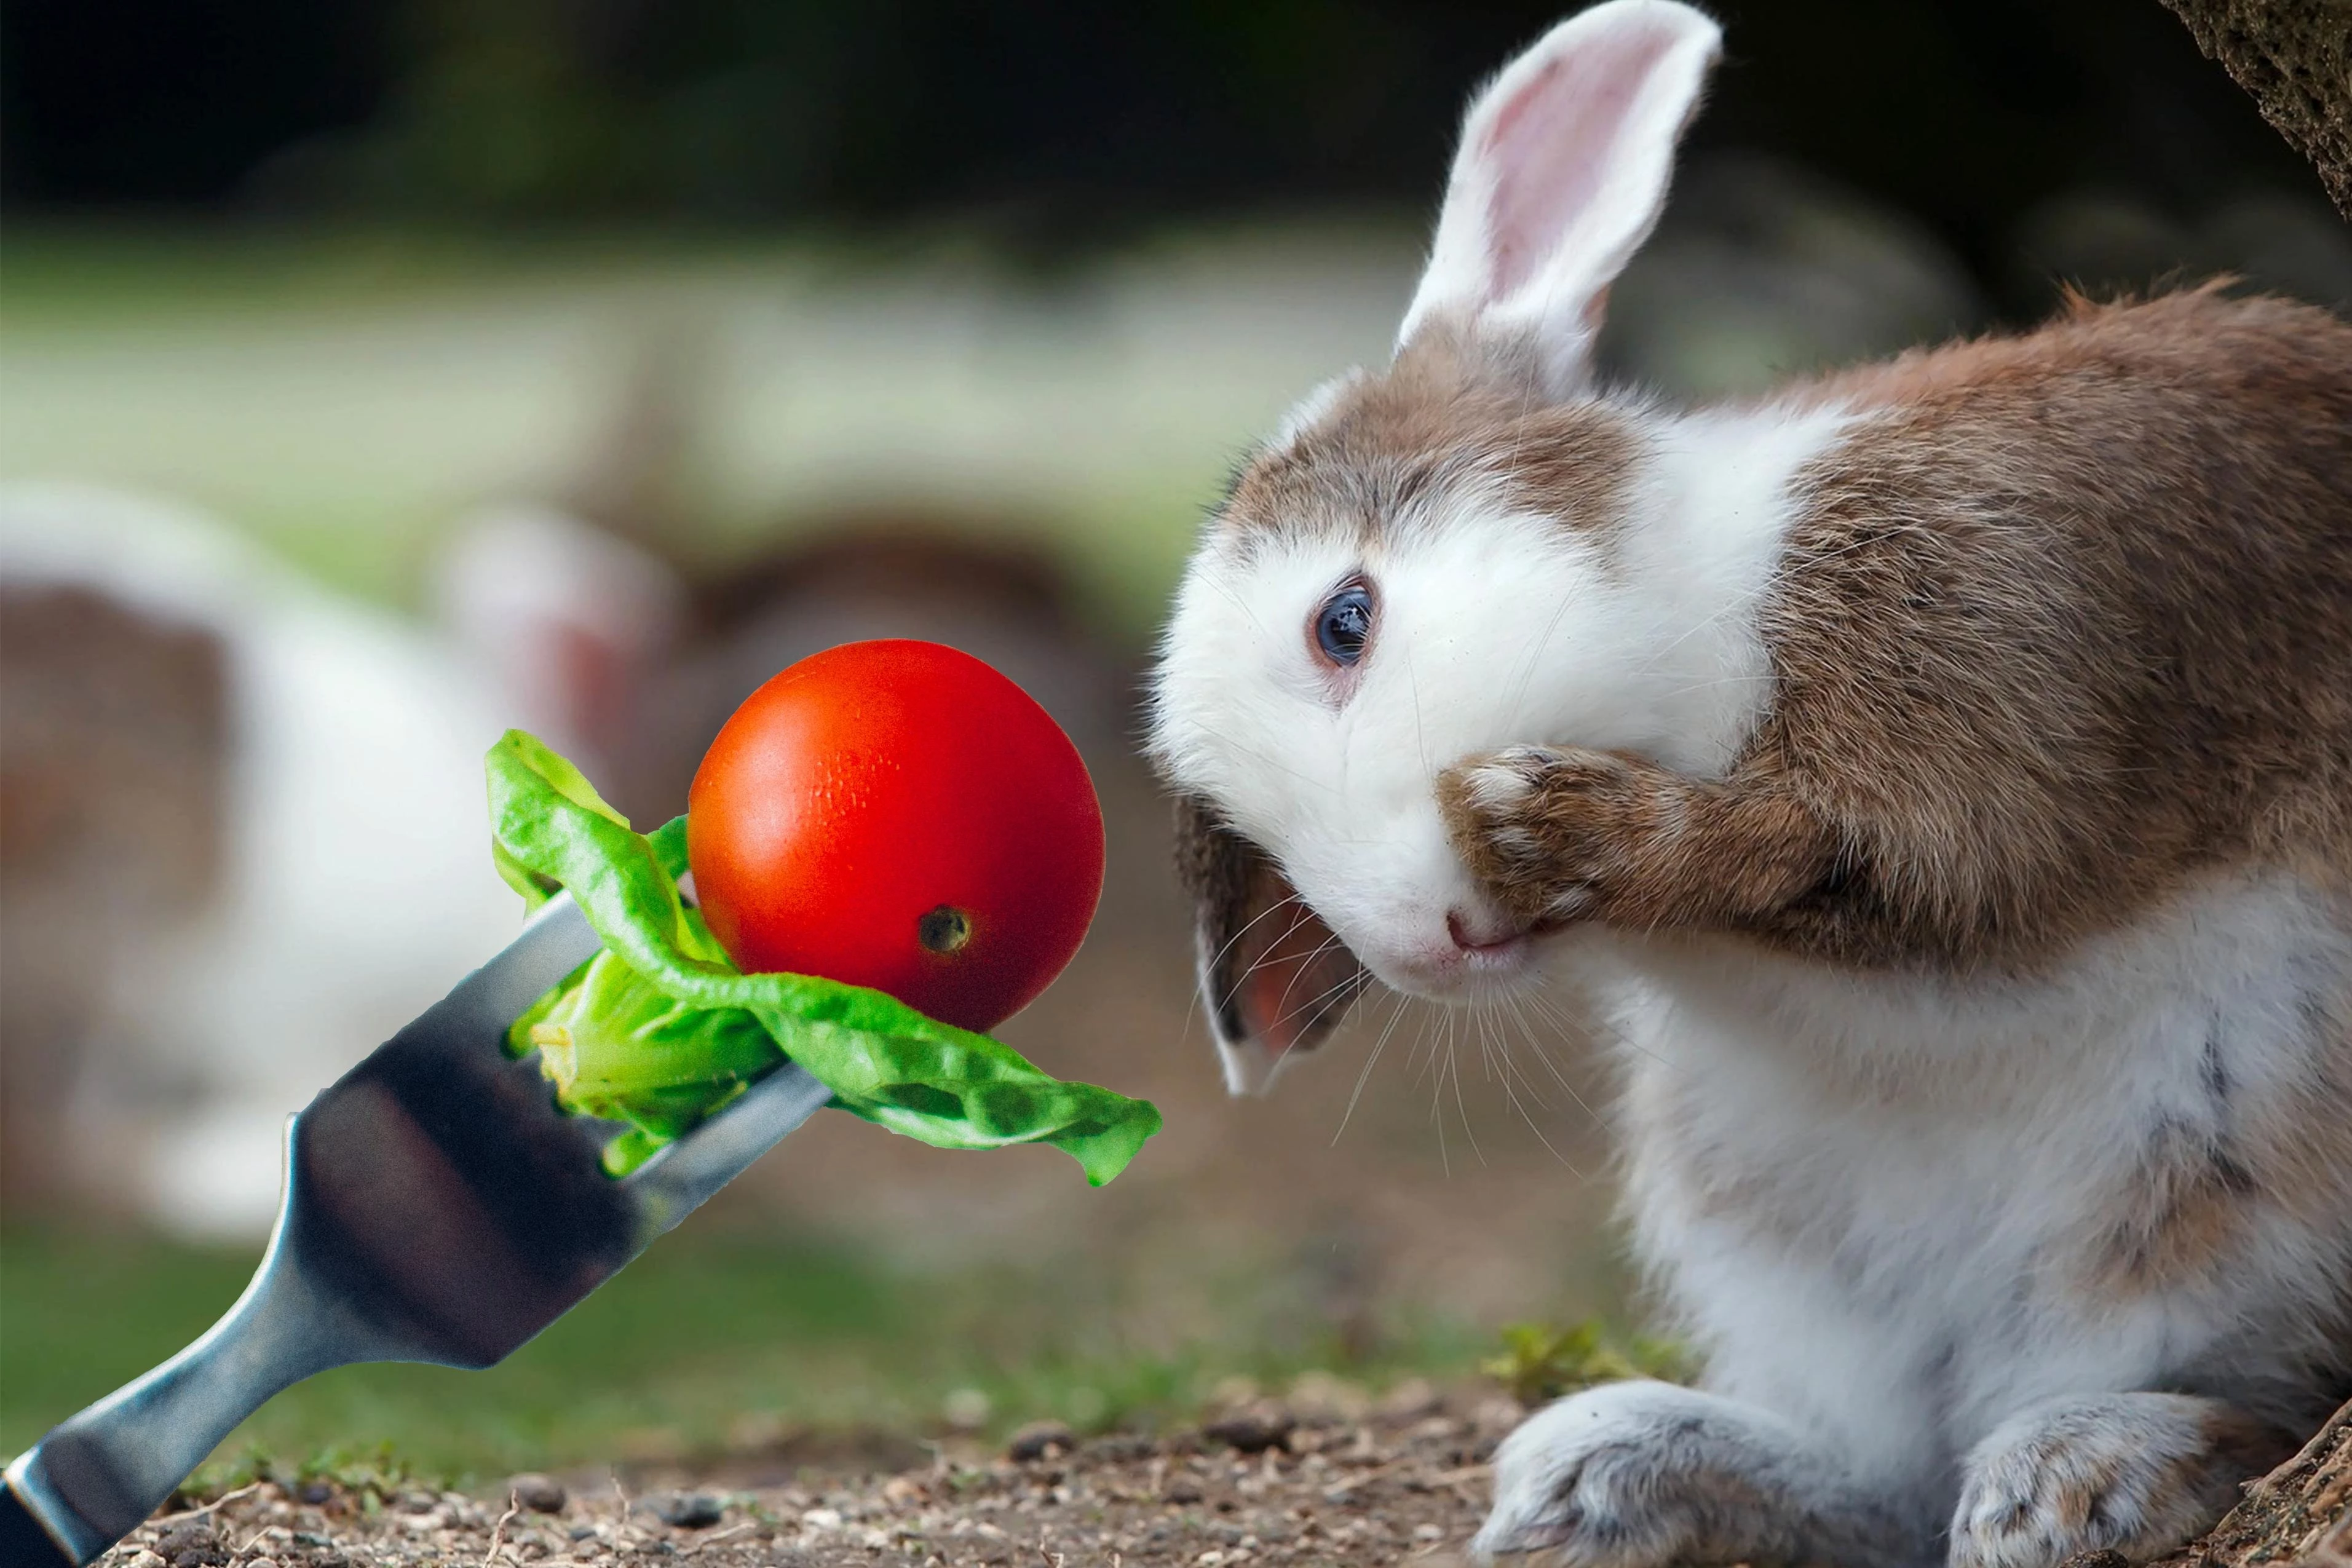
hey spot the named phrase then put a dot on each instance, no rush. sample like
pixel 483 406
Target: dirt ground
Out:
pixel 1267 1484
pixel 1319 1479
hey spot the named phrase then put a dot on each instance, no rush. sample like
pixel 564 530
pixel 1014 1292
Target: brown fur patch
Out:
pixel 1610 836
pixel 2182 1216
pixel 2067 621
pixel 1447 416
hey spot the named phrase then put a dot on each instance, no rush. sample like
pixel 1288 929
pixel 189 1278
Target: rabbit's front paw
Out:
pixel 1556 832
pixel 1642 1475
pixel 2133 1473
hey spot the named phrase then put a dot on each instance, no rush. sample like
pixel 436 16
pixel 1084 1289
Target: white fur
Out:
pixel 1595 1453
pixel 1949 1148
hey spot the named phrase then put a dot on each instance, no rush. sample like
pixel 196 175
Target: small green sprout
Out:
pixel 1541 1362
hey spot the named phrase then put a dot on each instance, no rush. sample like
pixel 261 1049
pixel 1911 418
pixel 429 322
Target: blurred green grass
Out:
pixel 719 1338
pixel 94 274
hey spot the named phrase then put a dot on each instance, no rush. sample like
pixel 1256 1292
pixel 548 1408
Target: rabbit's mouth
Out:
pixel 1499 956
pixel 1479 933
pixel 1482 955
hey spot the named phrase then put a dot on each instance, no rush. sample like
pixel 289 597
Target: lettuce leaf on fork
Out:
pixel 660 1029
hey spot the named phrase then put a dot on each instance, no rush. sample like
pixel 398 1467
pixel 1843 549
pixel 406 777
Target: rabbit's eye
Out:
pixel 1344 625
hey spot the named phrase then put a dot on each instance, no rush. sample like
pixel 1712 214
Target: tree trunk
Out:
pixel 2296 57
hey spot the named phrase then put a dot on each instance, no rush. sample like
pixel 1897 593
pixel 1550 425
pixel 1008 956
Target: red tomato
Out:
pixel 897 815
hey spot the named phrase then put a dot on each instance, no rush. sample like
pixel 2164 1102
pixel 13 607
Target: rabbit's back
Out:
pixel 2060 623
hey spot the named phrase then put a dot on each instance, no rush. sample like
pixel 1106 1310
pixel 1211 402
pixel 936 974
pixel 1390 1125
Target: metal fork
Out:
pixel 437 1207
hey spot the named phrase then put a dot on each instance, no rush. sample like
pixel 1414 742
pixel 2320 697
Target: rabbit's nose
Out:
pixel 1481 933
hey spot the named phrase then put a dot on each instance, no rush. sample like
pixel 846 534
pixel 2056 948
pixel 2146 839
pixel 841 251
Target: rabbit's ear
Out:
pixel 1273 978
pixel 567 618
pixel 1563 168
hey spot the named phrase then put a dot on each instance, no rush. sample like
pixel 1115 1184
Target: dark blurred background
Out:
pixel 1060 128
pixel 376 373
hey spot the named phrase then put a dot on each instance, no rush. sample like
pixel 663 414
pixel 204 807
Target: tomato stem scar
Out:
pixel 943 930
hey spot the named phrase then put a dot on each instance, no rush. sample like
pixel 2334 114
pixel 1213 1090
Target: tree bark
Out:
pixel 2294 57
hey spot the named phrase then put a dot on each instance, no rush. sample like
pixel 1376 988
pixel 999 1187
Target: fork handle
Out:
pixel 35 1524
pixel 95 1476
pixel 25 1541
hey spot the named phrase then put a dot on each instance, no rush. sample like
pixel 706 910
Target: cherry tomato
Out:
pixel 898 815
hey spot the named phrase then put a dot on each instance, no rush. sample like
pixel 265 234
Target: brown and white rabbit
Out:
pixel 1941 772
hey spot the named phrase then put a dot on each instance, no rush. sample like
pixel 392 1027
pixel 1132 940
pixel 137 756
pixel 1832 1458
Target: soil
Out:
pixel 1407 1483
pixel 1264 1485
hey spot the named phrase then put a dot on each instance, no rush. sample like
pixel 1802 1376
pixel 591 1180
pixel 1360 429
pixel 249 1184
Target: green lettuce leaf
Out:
pixel 660 1029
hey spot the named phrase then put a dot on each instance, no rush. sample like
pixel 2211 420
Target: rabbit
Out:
pixel 245 843
pixel 1938 773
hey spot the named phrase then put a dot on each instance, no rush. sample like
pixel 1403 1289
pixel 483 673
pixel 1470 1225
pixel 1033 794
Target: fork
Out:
pixel 437 1207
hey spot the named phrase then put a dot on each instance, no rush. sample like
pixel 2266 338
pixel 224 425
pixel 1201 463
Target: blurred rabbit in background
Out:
pixel 240 843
